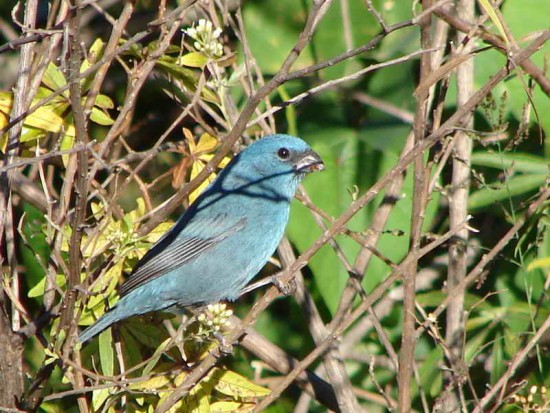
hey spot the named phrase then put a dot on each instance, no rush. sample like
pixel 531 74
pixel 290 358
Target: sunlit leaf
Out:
pixel 234 385
pixel 539 263
pixel 38 289
pixel 196 168
pixel 44 118
pixel 198 400
pixel 100 117
pixel 53 78
pixel 206 143
pixel 67 143
pixel 193 59
pixel 490 10
pixel 159 382
pixel 93 55
pixel 99 397
pixel 104 102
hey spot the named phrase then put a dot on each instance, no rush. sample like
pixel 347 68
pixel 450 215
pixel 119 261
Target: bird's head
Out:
pixel 282 154
pixel 276 162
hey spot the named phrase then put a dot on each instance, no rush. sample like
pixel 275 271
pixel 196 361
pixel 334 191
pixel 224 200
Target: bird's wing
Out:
pixel 179 246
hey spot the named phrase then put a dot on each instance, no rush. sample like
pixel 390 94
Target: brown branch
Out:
pixel 458 211
pixel 419 202
pixel 74 57
pixel 11 356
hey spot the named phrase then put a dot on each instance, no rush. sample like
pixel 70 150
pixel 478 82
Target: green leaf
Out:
pixel 329 191
pixel 474 345
pixel 434 298
pixel 145 333
pixel 66 143
pixel 330 38
pixel 93 55
pixel 35 250
pixel 517 162
pixel 430 372
pixel 515 185
pixel 498 365
pixel 352 162
pixel 187 76
pixel 272 29
pixel 522 18
pixel 106 355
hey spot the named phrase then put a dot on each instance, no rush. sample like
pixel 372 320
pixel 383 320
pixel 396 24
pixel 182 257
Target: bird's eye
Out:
pixel 283 153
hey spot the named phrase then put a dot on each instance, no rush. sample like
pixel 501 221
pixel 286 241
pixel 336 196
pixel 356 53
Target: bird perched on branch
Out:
pixel 224 238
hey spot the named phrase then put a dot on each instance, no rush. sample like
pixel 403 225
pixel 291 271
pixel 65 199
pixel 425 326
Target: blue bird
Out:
pixel 224 238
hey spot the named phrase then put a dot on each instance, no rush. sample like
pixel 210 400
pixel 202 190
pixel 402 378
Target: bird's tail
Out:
pixel 104 321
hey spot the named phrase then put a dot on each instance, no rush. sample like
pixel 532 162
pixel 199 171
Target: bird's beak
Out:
pixel 309 162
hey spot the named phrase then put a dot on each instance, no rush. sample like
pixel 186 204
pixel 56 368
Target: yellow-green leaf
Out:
pixel 98 398
pixel 95 52
pixel 197 401
pixel 43 118
pixel 38 289
pixel 193 59
pixel 157 383
pixel 53 78
pixel 489 9
pixel 104 102
pixel 235 385
pixel 206 143
pixel 100 117
pixel 539 263
pixel 159 231
pixel 196 168
pixel 67 142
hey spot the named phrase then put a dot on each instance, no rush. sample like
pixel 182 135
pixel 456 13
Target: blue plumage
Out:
pixel 224 238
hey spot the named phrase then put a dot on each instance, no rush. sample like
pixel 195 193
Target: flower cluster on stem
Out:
pixel 205 38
